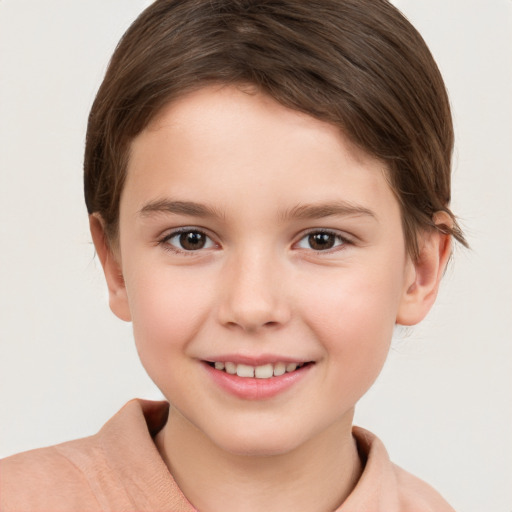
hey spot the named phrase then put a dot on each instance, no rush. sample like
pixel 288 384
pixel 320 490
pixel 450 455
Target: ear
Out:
pixel 118 298
pixel 423 276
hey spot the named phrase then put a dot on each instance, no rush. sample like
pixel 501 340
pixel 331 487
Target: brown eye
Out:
pixel 321 241
pixel 191 240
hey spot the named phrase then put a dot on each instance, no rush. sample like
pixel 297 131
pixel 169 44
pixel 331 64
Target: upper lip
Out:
pixel 259 360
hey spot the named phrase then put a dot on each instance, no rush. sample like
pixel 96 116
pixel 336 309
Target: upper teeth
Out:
pixel 260 372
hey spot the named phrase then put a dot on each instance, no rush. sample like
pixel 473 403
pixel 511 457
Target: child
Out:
pixel 268 185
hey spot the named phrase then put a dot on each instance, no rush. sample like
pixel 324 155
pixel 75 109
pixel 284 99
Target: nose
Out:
pixel 253 293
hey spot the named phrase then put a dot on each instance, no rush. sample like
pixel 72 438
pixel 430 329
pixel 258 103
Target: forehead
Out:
pixel 240 147
pixel 222 108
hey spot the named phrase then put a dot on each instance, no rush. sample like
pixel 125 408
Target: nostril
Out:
pixel 253 311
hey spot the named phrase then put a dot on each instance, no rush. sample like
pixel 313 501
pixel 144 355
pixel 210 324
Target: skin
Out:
pixel 260 288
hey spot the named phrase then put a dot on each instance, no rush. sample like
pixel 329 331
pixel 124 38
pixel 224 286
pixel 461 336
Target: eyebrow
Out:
pixel 300 212
pixel 329 209
pixel 180 208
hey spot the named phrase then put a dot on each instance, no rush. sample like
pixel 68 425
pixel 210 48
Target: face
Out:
pixel 263 265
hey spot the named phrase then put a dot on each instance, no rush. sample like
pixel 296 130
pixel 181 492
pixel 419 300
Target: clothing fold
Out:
pixel 119 469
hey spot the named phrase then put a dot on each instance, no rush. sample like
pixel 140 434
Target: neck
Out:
pixel 316 476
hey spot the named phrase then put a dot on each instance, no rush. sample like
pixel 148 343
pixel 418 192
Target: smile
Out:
pixel 265 371
pixel 261 381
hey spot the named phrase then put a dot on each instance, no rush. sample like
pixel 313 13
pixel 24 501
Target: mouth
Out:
pixel 264 371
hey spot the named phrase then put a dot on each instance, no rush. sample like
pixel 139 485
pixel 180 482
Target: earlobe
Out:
pixel 118 298
pixel 423 276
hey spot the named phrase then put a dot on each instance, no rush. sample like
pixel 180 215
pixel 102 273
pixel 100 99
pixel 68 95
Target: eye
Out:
pixel 321 241
pixel 188 240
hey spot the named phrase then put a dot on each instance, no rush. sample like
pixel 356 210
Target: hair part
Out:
pixel 357 64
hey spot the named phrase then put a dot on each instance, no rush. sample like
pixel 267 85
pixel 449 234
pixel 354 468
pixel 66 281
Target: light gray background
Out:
pixel 443 403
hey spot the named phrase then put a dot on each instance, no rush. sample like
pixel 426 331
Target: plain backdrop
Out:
pixel 443 402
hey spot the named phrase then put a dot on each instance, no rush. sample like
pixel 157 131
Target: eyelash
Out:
pixel 341 241
pixel 164 242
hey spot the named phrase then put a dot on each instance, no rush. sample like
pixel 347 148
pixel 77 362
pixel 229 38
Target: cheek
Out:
pixel 167 309
pixel 353 318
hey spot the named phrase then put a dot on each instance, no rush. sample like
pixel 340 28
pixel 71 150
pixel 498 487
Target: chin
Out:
pixel 259 443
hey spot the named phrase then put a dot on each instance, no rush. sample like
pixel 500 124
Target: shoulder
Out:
pixel 384 486
pixel 417 495
pixel 119 468
pixel 45 479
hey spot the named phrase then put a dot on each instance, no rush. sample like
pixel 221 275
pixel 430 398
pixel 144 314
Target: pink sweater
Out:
pixel 119 469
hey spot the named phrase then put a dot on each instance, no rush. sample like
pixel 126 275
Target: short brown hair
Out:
pixel 358 64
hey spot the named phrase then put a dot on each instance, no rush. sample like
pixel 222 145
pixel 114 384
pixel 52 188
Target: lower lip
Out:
pixel 251 388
